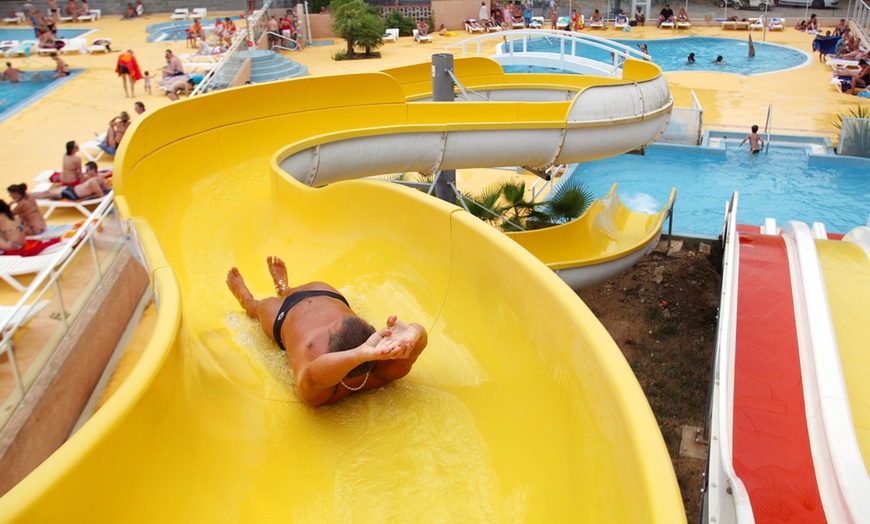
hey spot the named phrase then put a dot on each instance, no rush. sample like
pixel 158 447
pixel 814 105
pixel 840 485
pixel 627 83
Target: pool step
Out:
pixel 268 66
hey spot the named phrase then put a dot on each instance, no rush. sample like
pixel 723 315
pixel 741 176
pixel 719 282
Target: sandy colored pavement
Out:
pixel 33 140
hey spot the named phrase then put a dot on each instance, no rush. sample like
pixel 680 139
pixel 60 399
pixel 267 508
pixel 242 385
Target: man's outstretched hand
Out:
pixel 396 341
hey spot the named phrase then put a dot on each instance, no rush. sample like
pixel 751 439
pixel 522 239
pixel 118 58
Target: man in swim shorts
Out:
pixel 756 144
pixel 333 352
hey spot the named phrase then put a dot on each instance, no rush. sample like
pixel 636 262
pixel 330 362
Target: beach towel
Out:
pixel 61 231
pixel 827 45
pixel 31 247
pixel 129 61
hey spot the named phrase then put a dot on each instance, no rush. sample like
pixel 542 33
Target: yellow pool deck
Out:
pixel 803 100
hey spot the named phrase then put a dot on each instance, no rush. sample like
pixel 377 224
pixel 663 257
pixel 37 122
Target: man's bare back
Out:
pixel 328 345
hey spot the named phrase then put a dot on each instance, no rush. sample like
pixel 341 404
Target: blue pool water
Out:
pixel 16 96
pixel 26 33
pixel 671 54
pixel 782 184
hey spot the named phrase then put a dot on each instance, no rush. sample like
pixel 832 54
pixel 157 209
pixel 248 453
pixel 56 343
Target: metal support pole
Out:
pixel 442 91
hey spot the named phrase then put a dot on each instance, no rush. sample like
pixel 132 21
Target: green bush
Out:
pixel 358 23
pixel 404 24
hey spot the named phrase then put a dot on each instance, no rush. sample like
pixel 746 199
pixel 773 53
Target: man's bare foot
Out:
pixel 278 270
pixel 239 290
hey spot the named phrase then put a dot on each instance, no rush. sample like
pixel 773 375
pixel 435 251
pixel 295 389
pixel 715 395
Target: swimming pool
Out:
pixel 785 183
pixel 671 53
pixel 26 33
pixel 18 95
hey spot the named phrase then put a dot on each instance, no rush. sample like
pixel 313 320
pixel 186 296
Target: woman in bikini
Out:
pixel 12 236
pixel 26 209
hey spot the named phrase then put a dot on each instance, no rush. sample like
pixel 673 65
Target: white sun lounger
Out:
pixel 199 13
pixel 841 62
pixel 92 150
pixel 12 266
pixel 471 29
pixel 180 14
pixel 100 47
pixel 667 24
pixel 22 49
pixel 421 38
pixel 75 44
pixel 537 22
pixel 391 35
pixel 80 205
pixel 684 25
pixel 12 317
pixel 17 19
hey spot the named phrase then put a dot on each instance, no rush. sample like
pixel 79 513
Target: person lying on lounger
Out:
pixel 333 352
pixel 93 185
pixel 25 207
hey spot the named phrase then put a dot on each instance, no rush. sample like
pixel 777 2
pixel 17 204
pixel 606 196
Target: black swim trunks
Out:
pixel 123 70
pixel 69 194
pixel 293 299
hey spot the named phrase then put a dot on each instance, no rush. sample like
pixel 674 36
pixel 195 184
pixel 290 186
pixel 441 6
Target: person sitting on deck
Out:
pixel 333 352
pixel 422 27
pixel 596 19
pixel 26 208
pixel 683 15
pixel 666 15
pixel 842 28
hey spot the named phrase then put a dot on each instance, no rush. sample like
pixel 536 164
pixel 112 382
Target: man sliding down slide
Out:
pixel 333 352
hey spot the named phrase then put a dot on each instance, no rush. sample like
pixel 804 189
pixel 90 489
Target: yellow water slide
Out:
pixel 521 408
pixel 606 240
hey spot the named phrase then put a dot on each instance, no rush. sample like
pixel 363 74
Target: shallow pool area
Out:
pixel 786 183
pixel 15 96
pixel 26 33
pixel 671 54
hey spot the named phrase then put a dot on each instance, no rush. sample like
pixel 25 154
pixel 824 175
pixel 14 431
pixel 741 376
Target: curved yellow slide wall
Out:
pixel 522 408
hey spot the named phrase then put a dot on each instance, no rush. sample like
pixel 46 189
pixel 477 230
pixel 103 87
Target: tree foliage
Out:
pixel 358 23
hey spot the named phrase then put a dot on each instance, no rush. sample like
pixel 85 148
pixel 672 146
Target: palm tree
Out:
pixel 568 201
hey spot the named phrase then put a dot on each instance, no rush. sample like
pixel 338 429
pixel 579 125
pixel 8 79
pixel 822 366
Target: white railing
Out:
pixel 725 497
pixel 48 280
pixel 240 44
pixel 515 44
pixel 860 18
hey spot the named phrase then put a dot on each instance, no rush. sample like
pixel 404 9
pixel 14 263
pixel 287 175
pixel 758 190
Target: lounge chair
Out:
pixel 12 266
pixel 563 22
pixel 683 25
pixel 47 51
pixel 756 23
pixel 22 49
pixel 836 63
pixel 199 13
pixel 80 205
pixel 667 24
pixel 92 150
pixel 621 22
pixel 776 24
pixel 6 45
pixel 597 25
pixel 473 28
pixel 18 18
pixel 79 44
pixel 11 317
pixel 100 45
pixel 537 22
pixel 64 18
pixel 518 24
pixel 391 35
pixel 421 38
pixel 180 14
pixel 493 27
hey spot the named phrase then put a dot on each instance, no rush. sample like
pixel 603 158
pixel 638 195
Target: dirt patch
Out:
pixel 662 315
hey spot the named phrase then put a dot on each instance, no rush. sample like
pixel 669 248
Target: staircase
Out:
pixel 268 66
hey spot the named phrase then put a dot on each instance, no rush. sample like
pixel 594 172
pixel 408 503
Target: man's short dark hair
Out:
pixel 91 165
pixel 354 331
pixel 755 129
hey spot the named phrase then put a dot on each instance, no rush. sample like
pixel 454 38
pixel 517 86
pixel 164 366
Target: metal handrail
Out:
pixel 767 127
pixel 47 279
pixel 282 37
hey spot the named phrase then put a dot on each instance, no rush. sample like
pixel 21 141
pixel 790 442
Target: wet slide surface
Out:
pixel 521 409
pixel 771 446
pixel 846 270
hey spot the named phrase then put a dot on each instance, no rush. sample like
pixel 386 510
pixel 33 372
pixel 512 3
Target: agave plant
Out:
pixel 857 130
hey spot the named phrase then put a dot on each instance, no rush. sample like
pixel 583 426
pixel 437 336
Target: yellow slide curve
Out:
pixel 521 409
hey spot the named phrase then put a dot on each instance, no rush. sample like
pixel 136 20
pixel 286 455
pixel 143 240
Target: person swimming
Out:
pixel 691 59
pixel 719 60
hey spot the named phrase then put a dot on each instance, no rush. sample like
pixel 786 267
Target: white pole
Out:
pixel 764 29
pixel 807 10
pixel 307 24
pixel 726 10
